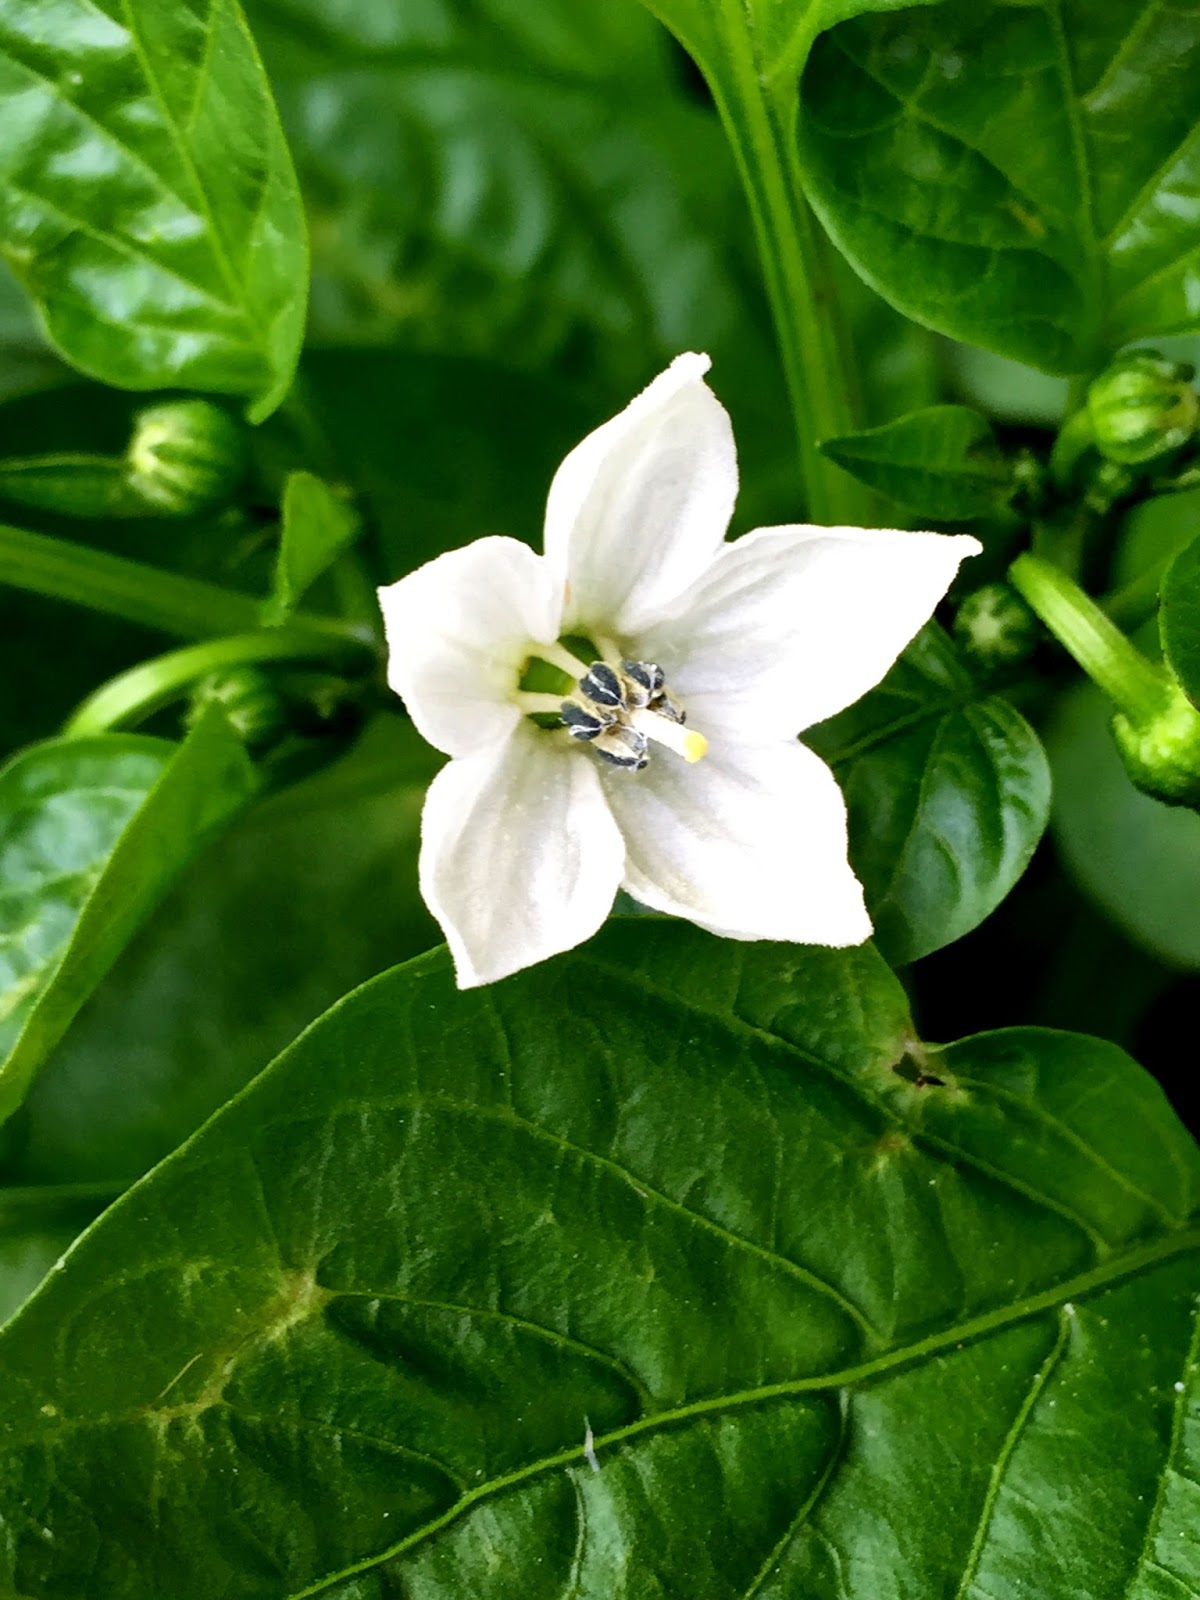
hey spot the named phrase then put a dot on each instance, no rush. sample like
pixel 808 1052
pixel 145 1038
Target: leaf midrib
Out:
pixel 1073 1289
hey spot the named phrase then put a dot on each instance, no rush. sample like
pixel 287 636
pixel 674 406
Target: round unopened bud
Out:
pixel 185 457
pixel 1142 407
pixel 1162 753
pixel 995 628
pixel 256 710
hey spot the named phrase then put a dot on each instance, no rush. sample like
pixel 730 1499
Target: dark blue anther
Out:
pixel 602 685
pixel 584 724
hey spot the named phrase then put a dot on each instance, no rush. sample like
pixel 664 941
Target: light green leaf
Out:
pixel 674 1268
pixel 1137 859
pixel 1021 176
pixel 147 198
pixel 92 833
pixel 948 792
pixel 318 524
pixel 942 461
pixel 1179 619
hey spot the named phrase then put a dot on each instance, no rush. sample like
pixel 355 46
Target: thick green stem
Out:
pixel 814 347
pixel 186 607
pixel 133 696
pixel 1135 686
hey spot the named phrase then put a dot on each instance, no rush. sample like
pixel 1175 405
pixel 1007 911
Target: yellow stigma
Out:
pixel 685 742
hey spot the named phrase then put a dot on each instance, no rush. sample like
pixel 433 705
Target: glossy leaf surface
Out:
pixel 948 793
pixel 92 833
pixel 1179 619
pixel 147 198
pixel 942 461
pixel 1023 177
pixel 317 525
pixel 526 1291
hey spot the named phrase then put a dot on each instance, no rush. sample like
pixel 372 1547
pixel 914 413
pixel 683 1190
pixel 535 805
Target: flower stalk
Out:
pixel 1156 728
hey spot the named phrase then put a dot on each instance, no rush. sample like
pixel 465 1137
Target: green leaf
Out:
pixel 36 1227
pixel 1179 619
pixel 526 184
pixel 1137 859
pixel 305 896
pixel 1018 176
pixel 318 524
pixel 92 832
pixel 147 199
pixel 948 793
pixel 673 1268
pixel 942 461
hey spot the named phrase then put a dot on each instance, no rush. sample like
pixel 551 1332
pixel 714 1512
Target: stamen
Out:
pixel 557 655
pixel 532 700
pixel 664 730
pixel 623 746
pixel 601 685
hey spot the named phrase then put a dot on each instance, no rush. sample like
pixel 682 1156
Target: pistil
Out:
pixel 685 742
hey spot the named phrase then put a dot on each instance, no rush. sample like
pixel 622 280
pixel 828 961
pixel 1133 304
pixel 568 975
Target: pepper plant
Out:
pixel 779 1185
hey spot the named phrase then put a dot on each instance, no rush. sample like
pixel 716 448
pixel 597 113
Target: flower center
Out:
pixel 619 707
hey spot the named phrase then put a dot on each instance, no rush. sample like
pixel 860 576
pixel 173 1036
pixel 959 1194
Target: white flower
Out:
pixel 530 829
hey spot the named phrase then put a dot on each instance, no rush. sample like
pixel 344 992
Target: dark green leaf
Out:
pixel 1137 859
pixel 1018 175
pixel 671 1269
pixel 305 896
pixel 530 185
pixel 948 792
pixel 318 524
pixel 36 1226
pixel 92 832
pixel 1179 619
pixel 943 462
pixel 147 199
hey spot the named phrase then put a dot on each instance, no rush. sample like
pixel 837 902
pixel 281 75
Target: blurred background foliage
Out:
pixel 520 210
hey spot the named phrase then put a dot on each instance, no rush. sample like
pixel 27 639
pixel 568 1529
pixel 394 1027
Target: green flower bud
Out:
pixel 185 457
pixel 1162 752
pixel 257 712
pixel 1142 407
pixel 995 628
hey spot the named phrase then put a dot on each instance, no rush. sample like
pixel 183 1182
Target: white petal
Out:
pixel 458 632
pixel 637 510
pixel 749 843
pixel 520 856
pixel 790 625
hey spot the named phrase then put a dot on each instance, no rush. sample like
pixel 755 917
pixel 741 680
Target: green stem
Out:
pixel 131 697
pixel 1134 685
pixel 814 347
pixel 186 607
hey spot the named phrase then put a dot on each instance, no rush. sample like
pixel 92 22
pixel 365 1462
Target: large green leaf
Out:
pixel 92 833
pixel 528 184
pixel 147 198
pixel 1019 175
pixel 948 792
pixel 36 1226
pixel 672 1269
pixel 305 896
pixel 1138 859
